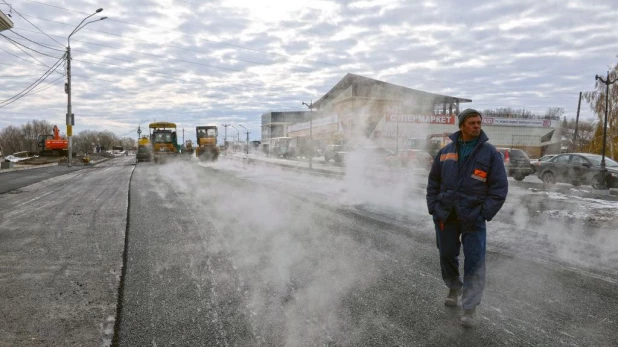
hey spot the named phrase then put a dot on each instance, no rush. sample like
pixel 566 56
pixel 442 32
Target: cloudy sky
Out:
pixel 228 61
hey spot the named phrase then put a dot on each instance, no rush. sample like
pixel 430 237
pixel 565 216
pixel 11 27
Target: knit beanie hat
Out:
pixel 467 113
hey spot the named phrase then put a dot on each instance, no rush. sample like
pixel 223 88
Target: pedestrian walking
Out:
pixel 467 186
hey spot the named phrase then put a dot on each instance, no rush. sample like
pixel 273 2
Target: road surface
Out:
pixel 231 254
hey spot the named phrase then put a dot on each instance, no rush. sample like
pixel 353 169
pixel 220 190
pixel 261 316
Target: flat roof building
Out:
pixel 358 108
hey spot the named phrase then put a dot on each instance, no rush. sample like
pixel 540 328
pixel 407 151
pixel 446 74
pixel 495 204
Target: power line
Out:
pixel 16 56
pixel 15 76
pixel 265 104
pixel 192 37
pixel 172 76
pixel 26 19
pixel 49 85
pixel 32 49
pixel 157 56
pixel 33 85
pixel 38 43
pixel 492 87
pixel 242 47
pixel 171 46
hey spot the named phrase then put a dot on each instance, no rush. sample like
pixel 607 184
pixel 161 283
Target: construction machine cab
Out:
pixel 206 142
pixel 52 145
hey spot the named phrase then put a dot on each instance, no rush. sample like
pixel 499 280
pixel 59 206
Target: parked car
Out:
pixel 411 158
pixel 577 169
pixel 516 162
pixel 335 152
pixel 535 163
pixel 367 156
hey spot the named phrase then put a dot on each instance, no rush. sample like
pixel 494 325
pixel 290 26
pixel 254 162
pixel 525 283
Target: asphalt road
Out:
pixel 217 258
pixel 12 180
pixel 61 244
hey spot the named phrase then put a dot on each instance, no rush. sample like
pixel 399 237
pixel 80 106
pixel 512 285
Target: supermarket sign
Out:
pixel 430 119
pixel 451 119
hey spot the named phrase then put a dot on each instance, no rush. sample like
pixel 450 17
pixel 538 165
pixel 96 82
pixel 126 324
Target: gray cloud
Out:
pixel 234 60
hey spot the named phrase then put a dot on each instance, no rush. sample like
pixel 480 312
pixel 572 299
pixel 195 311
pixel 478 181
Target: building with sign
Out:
pixel 535 136
pixel 358 108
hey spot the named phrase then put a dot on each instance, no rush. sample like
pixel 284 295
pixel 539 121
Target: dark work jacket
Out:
pixel 476 187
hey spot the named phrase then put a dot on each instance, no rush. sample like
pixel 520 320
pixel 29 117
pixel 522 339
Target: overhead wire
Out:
pixel 48 85
pixel 189 36
pixel 507 91
pixel 31 56
pixel 21 44
pixel 160 57
pixel 38 43
pixel 189 82
pixel 26 19
pixel 33 85
pixel 173 46
pixel 21 49
pixel 15 76
pixel 490 87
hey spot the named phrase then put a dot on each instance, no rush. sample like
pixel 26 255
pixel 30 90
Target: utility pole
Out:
pixel 311 150
pixel 607 82
pixel 397 136
pixel 225 137
pixel 247 131
pixel 579 103
pixel 237 138
pixel 70 120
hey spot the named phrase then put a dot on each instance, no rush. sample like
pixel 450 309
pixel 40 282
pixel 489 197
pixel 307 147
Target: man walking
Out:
pixel 467 186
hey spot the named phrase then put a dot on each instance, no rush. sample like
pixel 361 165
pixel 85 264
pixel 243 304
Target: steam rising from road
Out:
pixel 293 272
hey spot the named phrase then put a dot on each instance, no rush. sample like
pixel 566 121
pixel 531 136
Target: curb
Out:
pixel 28 167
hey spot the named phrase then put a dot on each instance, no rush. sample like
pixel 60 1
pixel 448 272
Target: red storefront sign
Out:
pixel 431 119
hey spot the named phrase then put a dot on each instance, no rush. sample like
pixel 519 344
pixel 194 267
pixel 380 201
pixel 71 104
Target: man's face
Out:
pixel 471 127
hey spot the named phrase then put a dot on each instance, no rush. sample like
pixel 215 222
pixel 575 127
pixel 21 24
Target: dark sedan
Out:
pixel 577 169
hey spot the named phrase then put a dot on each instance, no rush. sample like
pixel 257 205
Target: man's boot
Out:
pixel 452 299
pixel 468 320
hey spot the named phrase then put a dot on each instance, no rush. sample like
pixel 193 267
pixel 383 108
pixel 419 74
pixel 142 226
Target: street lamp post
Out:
pixel 225 137
pixel 607 82
pixel 70 120
pixel 247 131
pixel 237 137
pixel 310 132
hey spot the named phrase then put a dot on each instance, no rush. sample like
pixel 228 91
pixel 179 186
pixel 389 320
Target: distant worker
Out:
pixel 467 186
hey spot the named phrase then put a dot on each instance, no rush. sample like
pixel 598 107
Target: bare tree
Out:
pixel 585 133
pixel 596 100
pixel 128 143
pixel 107 139
pixel 10 139
pixel 507 112
pixel 554 113
pixel 24 138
